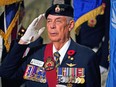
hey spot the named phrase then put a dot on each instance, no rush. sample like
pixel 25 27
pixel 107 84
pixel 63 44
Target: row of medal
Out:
pixel 35 73
pixel 71 75
pixel 64 75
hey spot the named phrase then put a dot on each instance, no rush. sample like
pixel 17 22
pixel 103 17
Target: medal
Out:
pixel 44 80
pixel 82 80
pixel 78 80
pixel 35 73
pixel 63 79
pixel 72 80
pixel 70 75
pixel 66 79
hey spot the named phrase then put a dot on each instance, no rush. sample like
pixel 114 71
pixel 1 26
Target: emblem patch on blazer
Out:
pixel 49 64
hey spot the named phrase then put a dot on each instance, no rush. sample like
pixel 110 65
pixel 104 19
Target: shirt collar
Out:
pixel 63 50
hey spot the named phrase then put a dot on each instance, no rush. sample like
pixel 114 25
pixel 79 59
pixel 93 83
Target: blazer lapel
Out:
pixel 66 60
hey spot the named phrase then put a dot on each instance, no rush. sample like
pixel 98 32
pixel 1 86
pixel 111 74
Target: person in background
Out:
pixel 60 63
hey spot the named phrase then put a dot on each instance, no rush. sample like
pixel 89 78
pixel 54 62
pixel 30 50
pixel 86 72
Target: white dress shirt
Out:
pixel 63 50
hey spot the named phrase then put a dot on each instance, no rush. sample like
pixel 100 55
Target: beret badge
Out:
pixel 57 9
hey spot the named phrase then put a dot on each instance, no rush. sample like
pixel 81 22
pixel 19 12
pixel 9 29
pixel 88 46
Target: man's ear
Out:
pixel 71 25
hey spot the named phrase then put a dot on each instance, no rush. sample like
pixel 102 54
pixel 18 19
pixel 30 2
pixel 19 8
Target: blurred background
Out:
pixel 97 30
pixel 33 8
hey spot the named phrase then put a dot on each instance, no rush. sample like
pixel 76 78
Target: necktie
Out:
pixel 57 55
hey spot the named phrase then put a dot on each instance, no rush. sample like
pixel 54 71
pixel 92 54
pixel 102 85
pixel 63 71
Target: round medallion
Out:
pixel 82 80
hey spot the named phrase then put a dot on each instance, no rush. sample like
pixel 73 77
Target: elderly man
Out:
pixel 60 63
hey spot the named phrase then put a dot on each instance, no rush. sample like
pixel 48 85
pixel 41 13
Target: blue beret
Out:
pixel 60 9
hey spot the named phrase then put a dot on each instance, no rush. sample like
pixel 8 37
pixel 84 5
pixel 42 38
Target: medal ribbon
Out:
pixel 52 74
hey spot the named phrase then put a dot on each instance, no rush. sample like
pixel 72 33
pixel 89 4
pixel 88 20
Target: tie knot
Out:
pixel 56 54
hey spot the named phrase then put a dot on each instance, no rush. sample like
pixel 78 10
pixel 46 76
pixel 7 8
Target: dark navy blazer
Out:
pixel 14 65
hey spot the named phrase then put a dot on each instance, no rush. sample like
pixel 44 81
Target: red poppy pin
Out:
pixel 71 52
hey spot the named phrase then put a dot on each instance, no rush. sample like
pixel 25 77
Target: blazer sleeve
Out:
pixel 10 65
pixel 93 72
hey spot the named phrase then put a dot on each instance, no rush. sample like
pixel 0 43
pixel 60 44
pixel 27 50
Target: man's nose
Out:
pixel 53 25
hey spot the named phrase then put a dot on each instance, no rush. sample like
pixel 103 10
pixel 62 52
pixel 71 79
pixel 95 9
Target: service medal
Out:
pixel 44 80
pixel 78 80
pixel 63 79
pixel 35 73
pixel 82 80
pixel 73 80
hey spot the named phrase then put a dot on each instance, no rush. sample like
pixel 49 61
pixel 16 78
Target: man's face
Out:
pixel 58 28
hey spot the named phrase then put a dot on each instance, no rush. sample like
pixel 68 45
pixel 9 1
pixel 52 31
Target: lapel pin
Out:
pixel 70 64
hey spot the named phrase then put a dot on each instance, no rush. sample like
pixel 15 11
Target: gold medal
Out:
pixel 43 80
pixel 82 80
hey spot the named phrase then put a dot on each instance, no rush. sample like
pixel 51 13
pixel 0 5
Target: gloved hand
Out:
pixel 34 30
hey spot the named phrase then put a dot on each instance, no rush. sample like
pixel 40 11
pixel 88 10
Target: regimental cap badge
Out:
pixel 57 9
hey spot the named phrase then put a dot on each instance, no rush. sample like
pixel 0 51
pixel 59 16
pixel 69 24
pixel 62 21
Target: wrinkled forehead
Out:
pixel 50 16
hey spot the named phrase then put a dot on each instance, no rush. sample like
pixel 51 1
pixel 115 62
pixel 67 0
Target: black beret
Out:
pixel 60 9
